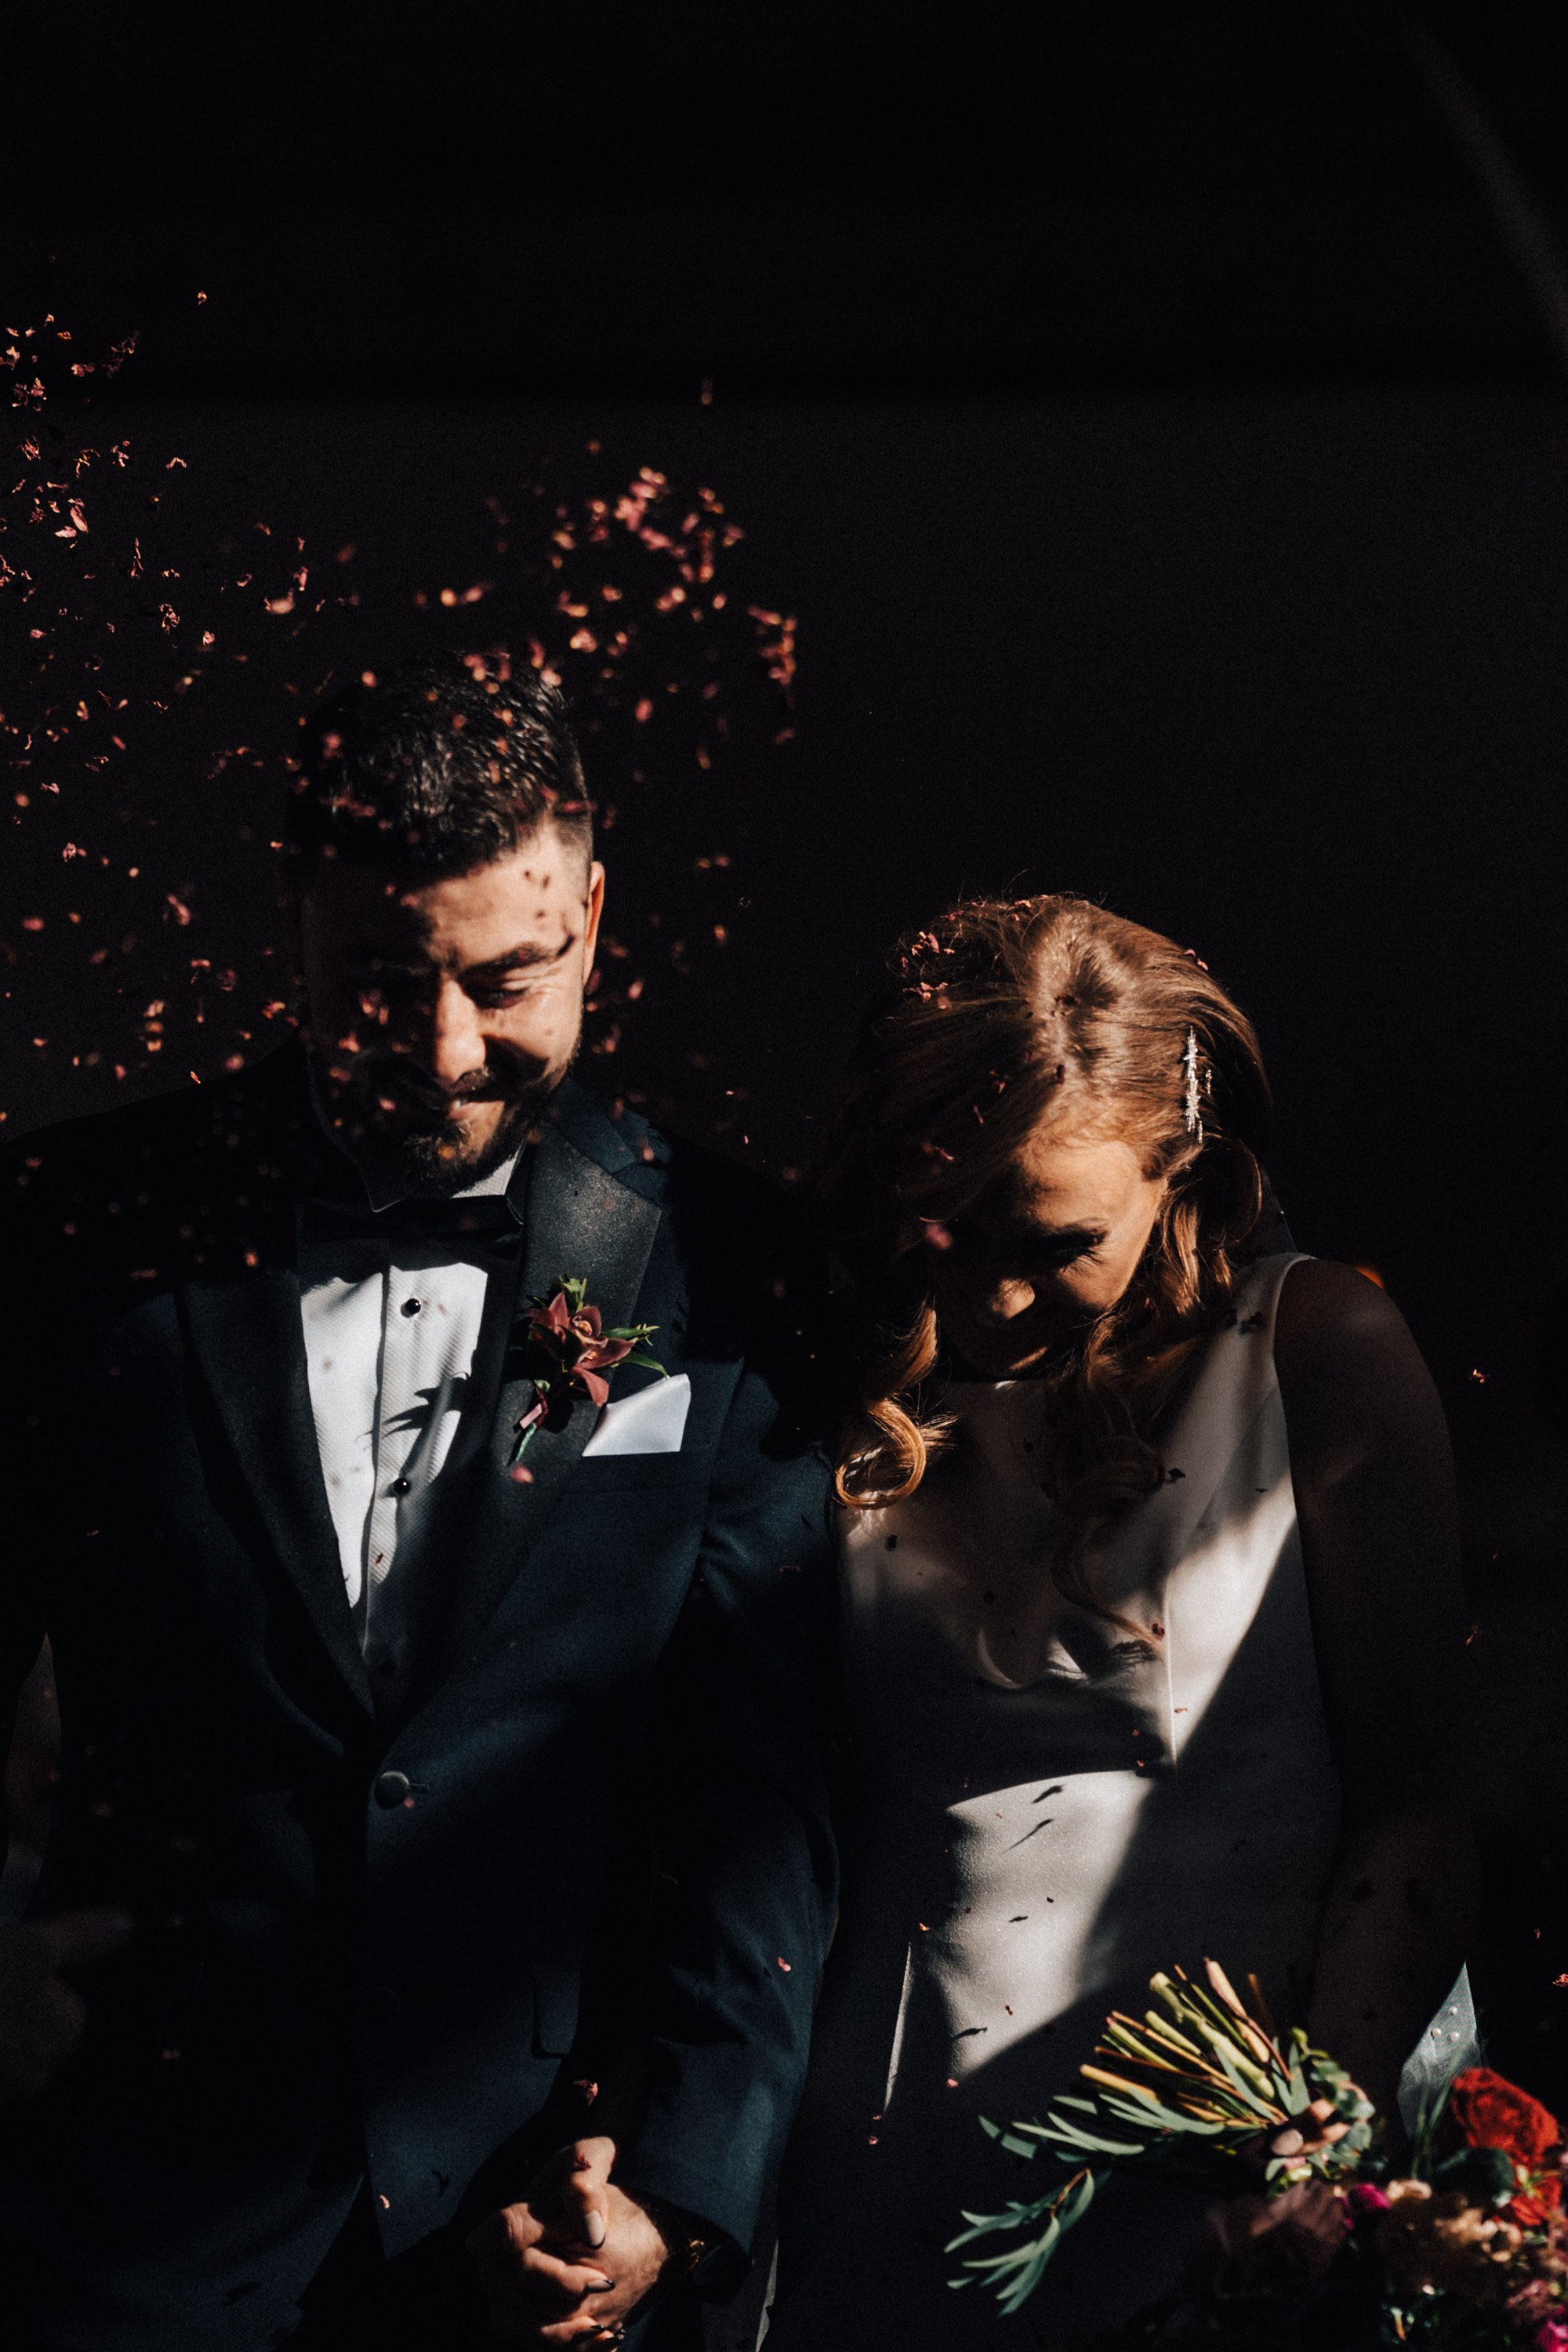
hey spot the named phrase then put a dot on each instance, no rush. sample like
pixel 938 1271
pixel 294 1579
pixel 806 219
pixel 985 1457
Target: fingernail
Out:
pixel 593 2229
pixel 600 2286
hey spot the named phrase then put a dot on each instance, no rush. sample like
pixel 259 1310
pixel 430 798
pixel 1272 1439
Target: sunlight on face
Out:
pixel 441 1015
pixel 1054 1244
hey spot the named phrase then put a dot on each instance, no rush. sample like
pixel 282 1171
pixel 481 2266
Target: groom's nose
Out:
pixel 449 1040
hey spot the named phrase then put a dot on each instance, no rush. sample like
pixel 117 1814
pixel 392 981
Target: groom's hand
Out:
pixel 42 2015
pixel 574 2259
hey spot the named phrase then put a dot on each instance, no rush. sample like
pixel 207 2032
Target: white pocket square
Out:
pixel 652 1422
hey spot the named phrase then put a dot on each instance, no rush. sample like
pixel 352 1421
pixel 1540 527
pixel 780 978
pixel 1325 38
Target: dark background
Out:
pixel 1154 418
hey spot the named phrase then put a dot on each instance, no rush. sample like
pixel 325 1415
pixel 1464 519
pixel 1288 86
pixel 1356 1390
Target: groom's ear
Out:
pixel 595 908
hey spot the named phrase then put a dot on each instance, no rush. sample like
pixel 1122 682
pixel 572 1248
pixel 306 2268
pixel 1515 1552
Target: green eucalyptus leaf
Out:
pixel 1299 2096
pixel 1155 2111
pixel 1077 2202
pixel 1014 2216
pixel 1015 2273
pixel 1069 2135
pixel 1018 2257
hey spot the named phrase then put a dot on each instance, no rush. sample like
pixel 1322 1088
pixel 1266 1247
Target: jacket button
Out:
pixel 384 2004
pixel 391 1788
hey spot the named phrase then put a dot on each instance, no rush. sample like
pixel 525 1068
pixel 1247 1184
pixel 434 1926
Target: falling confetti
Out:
pixel 166 645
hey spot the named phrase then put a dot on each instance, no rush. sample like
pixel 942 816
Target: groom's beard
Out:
pixel 393 1128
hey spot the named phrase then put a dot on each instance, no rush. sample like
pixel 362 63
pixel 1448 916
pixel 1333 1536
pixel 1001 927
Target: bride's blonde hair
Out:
pixel 1003 1017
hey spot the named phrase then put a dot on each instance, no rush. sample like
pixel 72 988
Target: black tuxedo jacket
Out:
pixel 593 1846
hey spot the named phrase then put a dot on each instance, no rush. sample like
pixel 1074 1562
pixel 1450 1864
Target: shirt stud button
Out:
pixel 412 1306
pixel 401 1485
pixel 391 1788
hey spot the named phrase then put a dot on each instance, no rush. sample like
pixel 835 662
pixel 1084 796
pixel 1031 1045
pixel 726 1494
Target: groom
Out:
pixel 446 1731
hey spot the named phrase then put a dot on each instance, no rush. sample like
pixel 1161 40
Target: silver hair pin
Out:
pixel 1193 1101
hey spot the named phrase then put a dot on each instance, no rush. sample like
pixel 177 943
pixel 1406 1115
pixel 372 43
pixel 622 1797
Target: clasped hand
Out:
pixel 573 2262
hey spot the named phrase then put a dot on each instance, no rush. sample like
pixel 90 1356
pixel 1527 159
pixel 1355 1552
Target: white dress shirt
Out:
pixel 390 1332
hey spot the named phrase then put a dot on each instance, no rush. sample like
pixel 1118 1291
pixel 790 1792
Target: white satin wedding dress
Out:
pixel 1047 1813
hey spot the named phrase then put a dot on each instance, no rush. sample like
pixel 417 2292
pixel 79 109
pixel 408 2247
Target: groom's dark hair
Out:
pixel 438 767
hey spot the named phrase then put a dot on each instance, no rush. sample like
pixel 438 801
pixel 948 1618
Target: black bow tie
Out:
pixel 490 1220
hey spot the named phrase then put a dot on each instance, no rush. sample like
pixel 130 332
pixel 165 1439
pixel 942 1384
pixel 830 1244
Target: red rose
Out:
pixel 1533 2207
pixel 1487 2110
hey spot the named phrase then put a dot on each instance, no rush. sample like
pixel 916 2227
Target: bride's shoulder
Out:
pixel 1324 1304
pixel 1346 1359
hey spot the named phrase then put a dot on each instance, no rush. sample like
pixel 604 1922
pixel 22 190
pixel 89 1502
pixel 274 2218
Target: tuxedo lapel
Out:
pixel 578 1222
pixel 248 1343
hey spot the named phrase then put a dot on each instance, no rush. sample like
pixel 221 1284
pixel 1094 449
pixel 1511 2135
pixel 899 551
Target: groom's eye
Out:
pixel 511 991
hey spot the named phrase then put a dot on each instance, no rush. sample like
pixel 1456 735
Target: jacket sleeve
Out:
pixel 745 1877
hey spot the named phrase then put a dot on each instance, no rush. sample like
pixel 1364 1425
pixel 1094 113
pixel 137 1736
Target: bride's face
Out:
pixel 1054 1244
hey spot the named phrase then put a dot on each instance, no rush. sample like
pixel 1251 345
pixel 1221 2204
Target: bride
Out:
pixel 1152 1611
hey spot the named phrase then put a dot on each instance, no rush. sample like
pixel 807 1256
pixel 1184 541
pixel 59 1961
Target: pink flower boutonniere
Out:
pixel 567 1353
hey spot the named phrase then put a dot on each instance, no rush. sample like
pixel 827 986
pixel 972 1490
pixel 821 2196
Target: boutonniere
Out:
pixel 567 1353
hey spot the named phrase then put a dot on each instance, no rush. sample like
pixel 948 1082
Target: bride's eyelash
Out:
pixel 1051 1256
pixel 1069 1253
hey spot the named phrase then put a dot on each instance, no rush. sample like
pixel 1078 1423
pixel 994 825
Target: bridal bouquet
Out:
pixel 1317 2236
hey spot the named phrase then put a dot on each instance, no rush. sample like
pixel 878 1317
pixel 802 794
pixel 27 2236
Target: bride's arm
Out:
pixel 1374 1492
